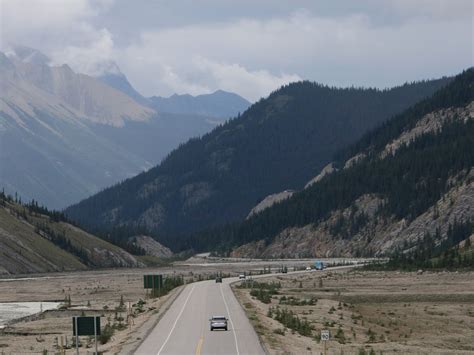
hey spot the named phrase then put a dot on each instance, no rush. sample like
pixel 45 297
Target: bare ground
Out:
pixel 388 312
pixel 99 293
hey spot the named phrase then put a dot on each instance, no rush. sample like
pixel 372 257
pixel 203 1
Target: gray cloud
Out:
pixel 250 47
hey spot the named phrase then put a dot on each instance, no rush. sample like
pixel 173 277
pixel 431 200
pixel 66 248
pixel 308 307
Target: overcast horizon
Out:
pixel 245 47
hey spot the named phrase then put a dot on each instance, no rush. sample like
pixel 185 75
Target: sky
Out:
pixel 246 46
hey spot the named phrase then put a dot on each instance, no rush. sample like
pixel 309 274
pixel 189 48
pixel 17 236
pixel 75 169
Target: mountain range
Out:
pixel 279 143
pixel 66 135
pixel 406 187
pixel 219 104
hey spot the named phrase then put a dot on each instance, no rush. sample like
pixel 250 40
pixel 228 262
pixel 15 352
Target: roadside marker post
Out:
pixel 77 337
pixel 325 335
pixel 95 337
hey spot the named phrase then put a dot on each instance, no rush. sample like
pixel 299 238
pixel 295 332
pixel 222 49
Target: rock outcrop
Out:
pixel 327 170
pixel 151 246
pixel 360 231
pixel 269 201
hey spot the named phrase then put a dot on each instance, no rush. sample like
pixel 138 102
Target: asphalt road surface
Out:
pixel 184 329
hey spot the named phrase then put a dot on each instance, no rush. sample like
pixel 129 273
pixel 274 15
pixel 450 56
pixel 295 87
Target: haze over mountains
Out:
pixel 279 143
pixel 66 135
pixel 217 104
pixel 220 104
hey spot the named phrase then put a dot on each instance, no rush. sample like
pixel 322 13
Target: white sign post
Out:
pixel 324 338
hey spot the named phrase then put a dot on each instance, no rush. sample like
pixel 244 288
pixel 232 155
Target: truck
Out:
pixel 319 265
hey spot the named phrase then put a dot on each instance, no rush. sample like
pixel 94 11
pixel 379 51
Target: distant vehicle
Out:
pixel 242 277
pixel 218 279
pixel 319 265
pixel 218 322
pixel 308 268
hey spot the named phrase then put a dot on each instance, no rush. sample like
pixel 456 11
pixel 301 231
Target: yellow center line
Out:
pixel 199 346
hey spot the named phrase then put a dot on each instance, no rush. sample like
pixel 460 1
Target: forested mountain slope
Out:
pixel 412 183
pixel 278 143
pixel 33 239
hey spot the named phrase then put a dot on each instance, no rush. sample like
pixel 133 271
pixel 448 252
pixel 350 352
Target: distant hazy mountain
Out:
pixel 49 150
pixel 279 143
pixel 218 104
pixel 30 55
pixel 65 136
pixel 116 79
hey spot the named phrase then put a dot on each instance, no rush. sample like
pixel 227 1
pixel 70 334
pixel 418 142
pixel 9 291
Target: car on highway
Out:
pixel 218 322
pixel 242 277
pixel 218 279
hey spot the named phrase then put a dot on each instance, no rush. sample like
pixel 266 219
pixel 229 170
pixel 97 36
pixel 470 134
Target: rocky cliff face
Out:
pixel 374 235
pixel 432 122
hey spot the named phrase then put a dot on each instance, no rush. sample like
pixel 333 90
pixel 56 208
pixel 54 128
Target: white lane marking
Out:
pixel 231 323
pixel 176 321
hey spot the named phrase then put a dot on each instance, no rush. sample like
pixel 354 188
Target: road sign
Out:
pixel 324 335
pixel 85 326
pixel 153 281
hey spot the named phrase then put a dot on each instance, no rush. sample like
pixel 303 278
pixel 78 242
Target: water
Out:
pixel 13 310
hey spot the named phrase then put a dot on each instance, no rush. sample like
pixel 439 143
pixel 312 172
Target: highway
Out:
pixel 184 329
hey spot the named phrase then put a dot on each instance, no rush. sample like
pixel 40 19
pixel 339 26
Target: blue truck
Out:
pixel 319 265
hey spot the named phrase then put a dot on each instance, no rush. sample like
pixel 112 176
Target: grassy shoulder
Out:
pixel 365 312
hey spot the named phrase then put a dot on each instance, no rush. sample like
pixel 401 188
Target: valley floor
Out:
pixel 387 312
pixel 99 293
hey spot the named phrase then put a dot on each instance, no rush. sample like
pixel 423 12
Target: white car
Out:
pixel 242 277
pixel 308 268
pixel 218 322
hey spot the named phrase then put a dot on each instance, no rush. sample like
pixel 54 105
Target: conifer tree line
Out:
pixel 429 255
pixel 120 236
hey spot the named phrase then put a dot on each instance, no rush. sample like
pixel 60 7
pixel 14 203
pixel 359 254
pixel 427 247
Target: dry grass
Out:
pixel 390 312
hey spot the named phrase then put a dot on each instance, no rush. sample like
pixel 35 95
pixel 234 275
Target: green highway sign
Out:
pixel 85 326
pixel 153 281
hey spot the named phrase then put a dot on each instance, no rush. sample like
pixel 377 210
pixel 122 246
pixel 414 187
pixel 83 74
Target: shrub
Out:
pixel 106 334
pixel 292 321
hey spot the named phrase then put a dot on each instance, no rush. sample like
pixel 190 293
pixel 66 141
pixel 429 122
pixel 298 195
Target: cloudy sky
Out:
pixel 247 46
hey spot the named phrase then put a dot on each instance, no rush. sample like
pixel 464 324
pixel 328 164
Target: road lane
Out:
pixel 184 329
